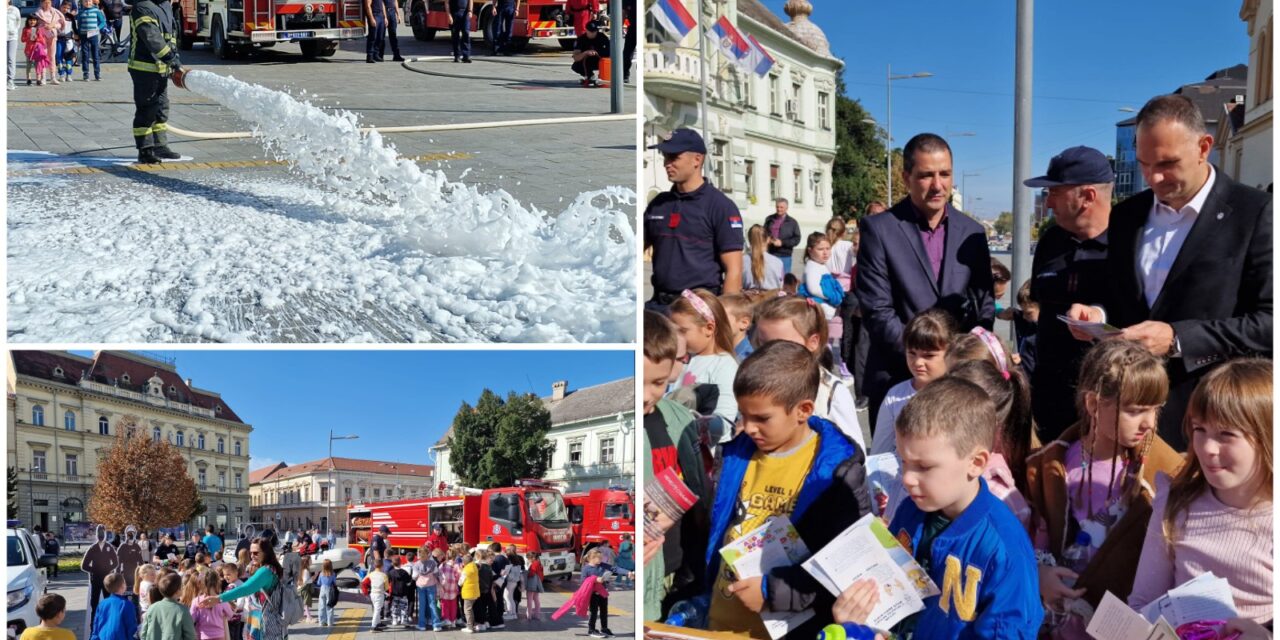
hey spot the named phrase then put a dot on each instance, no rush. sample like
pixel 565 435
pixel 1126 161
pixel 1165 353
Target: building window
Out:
pixel 200 441
pixel 775 95
pixel 377 492
pixel 57 372
pixel 217 408
pixel 73 465
pixel 749 167
pixel 222 480
pixel 324 494
pixel 575 453
pixel 363 493
pixel 222 445
pixel 69 421
pixel 37 415
pixel 104 426
pixel 38 462
pixel 124 378
pixel 818 198
pixel 346 494
pixel 155 433
pixel 824 110
pixel 238 485
pixel 797 185
pixel 181 439
pixel 793 106
pixel 200 478
pixel 237 447
pixel 774 170
pixel 606 450
pixel 724 161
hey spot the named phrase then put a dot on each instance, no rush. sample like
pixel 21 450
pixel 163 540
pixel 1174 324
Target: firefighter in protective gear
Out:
pixel 153 58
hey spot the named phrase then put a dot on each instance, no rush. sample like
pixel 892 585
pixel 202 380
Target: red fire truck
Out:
pixel 233 27
pixel 601 515
pixel 535 20
pixel 530 515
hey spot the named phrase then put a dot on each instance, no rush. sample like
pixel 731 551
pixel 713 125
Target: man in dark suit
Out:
pixel 1190 258
pixel 920 254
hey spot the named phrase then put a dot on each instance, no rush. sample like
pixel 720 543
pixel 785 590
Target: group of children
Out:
pixel 1023 538
pixel 54 40
pixel 487 581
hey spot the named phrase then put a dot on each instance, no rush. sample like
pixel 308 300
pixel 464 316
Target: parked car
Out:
pixel 27 580
pixel 343 558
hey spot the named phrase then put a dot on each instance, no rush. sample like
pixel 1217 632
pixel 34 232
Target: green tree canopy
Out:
pixel 496 442
pixel 1004 223
pixel 858 173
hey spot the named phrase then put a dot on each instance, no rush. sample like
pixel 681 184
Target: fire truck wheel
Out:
pixel 310 48
pixel 328 49
pixel 218 39
pixel 567 44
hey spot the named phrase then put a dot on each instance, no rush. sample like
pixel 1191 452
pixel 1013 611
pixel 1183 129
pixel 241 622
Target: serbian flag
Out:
pixel 730 42
pixel 758 59
pixel 672 15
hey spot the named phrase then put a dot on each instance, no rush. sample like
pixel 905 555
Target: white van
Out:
pixel 25 574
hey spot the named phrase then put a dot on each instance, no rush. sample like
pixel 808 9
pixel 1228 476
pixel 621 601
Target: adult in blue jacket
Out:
pixel 833 497
pixel 922 253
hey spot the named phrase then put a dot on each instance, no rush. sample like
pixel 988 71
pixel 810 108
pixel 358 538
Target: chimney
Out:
pixel 189 383
pixel 558 388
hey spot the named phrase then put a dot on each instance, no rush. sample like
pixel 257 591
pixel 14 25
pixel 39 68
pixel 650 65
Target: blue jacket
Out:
pixel 114 619
pixel 90 19
pixel 998 595
pixel 837 478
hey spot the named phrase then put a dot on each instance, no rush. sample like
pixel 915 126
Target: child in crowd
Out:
pixel 52 610
pixel 672 441
pixel 167 619
pixel 784 462
pixel 1000 278
pixel 328 586
pixel 1216 514
pixel 378 586
pixel 209 620
pixel 1006 472
pixel 1091 489
pixel 401 588
pixel 968 542
pixel 469 582
pixel 533 586
pixel 1024 328
pixel 231 578
pixel 66 47
pixel 488 604
pixel 738 308
pixel 190 587
pixel 790 283
pixel 304 587
pixel 143 577
pixel 817 252
pixel 115 618
pixel 512 578
pixel 450 572
pixel 599 605
pixel 760 269
pixel 844 257
pixel 426 580
pixel 709 336
pixel 925 340
pixel 36 48
pixel 803 322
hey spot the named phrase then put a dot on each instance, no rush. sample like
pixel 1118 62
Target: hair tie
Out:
pixel 993 346
pixel 699 305
pixel 811 302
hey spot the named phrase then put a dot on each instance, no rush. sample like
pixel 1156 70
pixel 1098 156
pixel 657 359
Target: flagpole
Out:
pixel 702 65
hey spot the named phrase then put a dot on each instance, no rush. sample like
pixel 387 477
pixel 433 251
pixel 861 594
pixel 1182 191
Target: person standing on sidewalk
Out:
pixel 784 233
pixel 14 31
pixel 51 20
pixel 153 59
pixel 504 21
pixel 460 13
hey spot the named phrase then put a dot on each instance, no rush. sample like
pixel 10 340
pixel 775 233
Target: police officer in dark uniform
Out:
pixel 1069 267
pixel 153 59
pixel 695 230
pixel 381 17
pixel 502 25
pixel 460 29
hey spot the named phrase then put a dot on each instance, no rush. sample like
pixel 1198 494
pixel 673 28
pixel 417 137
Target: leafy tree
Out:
pixel 13 493
pixel 1043 227
pixel 858 173
pixel 141 482
pixel 1004 223
pixel 496 442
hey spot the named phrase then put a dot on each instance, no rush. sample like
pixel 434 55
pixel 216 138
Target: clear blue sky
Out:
pixel 399 402
pixel 1091 58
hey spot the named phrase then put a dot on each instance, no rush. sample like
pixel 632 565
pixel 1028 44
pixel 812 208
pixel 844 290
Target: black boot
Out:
pixel 165 153
pixel 148 156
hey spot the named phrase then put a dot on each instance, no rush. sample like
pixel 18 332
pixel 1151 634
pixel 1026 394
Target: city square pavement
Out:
pixel 353 615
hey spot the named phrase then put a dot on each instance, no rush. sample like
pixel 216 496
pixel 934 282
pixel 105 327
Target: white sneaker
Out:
pixel 467 630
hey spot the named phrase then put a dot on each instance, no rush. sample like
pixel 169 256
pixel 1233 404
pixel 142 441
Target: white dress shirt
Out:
pixel 1162 237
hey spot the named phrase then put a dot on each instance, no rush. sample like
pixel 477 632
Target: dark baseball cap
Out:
pixel 1077 165
pixel 593 26
pixel 682 140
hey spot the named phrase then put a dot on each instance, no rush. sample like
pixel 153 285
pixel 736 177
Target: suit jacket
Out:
pixel 1217 295
pixel 895 283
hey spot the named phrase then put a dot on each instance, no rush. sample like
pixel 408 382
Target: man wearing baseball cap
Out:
pixel 1069 267
pixel 587 51
pixel 695 230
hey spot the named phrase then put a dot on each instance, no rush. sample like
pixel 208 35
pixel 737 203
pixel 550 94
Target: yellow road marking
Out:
pixel 199 166
pixel 345 627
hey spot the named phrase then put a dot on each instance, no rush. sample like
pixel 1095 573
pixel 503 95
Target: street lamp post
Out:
pixel 964 184
pixel 328 504
pixel 888 122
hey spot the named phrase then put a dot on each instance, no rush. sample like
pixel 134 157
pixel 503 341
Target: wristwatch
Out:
pixel 1175 349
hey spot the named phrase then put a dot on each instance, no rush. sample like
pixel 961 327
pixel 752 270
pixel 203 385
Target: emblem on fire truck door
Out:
pixel 497 529
pixel 615 525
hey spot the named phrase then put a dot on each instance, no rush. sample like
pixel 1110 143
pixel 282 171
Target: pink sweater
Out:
pixel 1235 544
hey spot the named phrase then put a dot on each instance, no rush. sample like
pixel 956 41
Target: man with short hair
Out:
pixel 212 542
pixel 587 51
pixel 1189 259
pixel 784 233
pixel 694 229
pixel 1070 266
pixel 922 253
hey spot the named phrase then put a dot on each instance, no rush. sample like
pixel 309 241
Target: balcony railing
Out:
pixel 157 401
